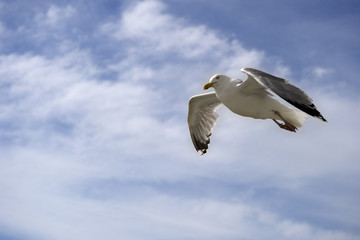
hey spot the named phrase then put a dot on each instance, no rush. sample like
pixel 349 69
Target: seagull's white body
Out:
pixel 249 98
pixel 253 101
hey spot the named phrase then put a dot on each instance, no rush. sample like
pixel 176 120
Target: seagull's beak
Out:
pixel 208 85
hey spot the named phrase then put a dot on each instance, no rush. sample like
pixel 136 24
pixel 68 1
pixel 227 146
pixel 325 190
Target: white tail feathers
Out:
pixel 297 118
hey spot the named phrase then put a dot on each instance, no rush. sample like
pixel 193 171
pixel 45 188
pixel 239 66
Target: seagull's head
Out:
pixel 216 81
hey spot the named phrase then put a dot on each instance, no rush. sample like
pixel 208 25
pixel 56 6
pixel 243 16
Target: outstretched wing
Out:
pixel 201 119
pixel 285 90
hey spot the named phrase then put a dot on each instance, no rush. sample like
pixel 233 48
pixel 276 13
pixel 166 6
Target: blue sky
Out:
pixel 93 133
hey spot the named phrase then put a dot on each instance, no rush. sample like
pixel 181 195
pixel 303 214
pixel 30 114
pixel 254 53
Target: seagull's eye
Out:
pixel 217 77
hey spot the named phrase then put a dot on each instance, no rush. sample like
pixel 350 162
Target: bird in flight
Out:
pixel 250 98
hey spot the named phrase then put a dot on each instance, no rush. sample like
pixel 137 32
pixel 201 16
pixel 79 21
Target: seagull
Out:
pixel 250 98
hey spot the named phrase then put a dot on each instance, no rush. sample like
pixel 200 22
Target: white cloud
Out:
pixel 158 32
pixel 66 90
pixel 51 27
pixel 318 72
pixel 55 16
pixel 86 154
pixel 52 212
pixel 147 23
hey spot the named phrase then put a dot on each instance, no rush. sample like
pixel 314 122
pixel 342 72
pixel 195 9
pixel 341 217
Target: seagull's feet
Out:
pixel 286 125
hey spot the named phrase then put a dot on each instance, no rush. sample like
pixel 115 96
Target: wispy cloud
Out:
pixel 102 150
pixel 320 72
pixel 149 30
pixel 153 29
pixel 55 16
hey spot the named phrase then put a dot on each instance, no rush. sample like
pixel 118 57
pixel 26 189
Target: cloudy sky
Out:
pixel 93 134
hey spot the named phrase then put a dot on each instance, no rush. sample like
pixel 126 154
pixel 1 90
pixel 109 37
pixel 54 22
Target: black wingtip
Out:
pixel 200 146
pixel 201 151
pixel 322 118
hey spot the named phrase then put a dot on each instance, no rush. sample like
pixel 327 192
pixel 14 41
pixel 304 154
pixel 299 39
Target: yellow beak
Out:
pixel 208 85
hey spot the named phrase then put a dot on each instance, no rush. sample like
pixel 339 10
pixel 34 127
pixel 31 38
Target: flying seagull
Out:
pixel 249 98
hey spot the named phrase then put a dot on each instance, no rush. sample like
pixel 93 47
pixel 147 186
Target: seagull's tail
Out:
pixel 297 118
